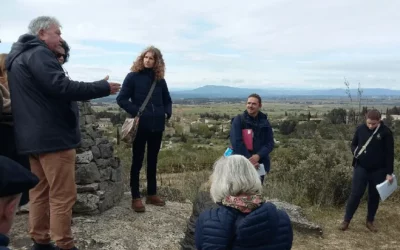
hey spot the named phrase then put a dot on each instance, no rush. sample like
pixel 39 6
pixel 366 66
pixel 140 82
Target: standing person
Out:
pixel 46 120
pixel 15 179
pixel 263 138
pixel 7 144
pixel 373 164
pixel 148 67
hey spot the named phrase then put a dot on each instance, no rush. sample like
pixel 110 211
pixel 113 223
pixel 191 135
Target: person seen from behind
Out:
pixel 46 120
pixel 373 164
pixel 243 219
pixel 149 67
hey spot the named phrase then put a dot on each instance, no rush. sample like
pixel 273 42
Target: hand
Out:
pixel 389 178
pixel 257 166
pixel 254 159
pixel 114 87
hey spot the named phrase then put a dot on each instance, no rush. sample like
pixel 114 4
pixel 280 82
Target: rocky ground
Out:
pixel 120 228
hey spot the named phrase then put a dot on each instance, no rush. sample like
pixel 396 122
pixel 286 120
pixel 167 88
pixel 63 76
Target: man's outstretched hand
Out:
pixel 114 87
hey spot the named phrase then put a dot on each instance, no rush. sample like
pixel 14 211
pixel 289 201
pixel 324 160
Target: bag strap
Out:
pixel 366 144
pixel 147 99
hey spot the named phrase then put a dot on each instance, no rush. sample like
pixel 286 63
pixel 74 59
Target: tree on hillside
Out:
pixel 337 116
pixel 388 120
pixel 287 127
pixel 359 115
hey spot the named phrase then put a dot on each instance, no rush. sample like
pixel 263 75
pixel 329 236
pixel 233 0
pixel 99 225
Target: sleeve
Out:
pixel 167 101
pixel 51 79
pixel 126 92
pixel 236 138
pixel 267 148
pixel 389 152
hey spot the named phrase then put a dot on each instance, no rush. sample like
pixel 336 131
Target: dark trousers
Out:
pixel 362 178
pixel 9 149
pixel 153 140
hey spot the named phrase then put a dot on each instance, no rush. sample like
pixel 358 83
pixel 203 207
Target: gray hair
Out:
pixel 42 23
pixel 234 175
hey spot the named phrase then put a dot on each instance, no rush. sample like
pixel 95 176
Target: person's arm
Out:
pixel 51 79
pixel 267 148
pixel 389 153
pixel 167 101
pixel 354 143
pixel 126 93
pixel 236 138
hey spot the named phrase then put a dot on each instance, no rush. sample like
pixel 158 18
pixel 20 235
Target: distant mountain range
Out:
pixel 217 91
pixel 214 91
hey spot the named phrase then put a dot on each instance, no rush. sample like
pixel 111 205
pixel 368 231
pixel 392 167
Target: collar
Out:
pixel 4 240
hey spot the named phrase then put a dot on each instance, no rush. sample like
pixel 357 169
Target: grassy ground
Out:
pixel 357 236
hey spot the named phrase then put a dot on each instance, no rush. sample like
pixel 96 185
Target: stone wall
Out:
pixel 98 172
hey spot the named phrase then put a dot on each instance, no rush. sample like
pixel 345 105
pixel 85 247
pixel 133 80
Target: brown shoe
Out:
pixel 138 206
pixel 155 200
pixel 371 227
pixel 344 225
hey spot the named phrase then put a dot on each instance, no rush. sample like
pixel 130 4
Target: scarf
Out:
pixel 243 203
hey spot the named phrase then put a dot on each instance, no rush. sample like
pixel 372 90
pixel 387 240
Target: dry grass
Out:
pixel 357 236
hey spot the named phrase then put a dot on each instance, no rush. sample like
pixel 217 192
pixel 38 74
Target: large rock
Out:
pixel 203 201
pixel 119 228
pixel 299 221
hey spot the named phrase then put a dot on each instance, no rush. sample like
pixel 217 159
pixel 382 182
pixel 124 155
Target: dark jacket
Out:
pixel 379 153
pixel 263 141
pixel 265 228
pixel 134 90
pixel 46 116
pixel 4 241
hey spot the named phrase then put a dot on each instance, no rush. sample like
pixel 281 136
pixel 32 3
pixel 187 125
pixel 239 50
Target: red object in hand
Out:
pixel 247 136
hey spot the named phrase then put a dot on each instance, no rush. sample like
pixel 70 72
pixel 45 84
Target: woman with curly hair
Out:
pixel 148 67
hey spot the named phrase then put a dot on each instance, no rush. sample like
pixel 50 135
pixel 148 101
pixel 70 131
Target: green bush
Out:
pixel 318 171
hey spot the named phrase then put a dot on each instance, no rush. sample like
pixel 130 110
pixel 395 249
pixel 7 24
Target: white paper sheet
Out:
pixel 385 189
pixel 261 170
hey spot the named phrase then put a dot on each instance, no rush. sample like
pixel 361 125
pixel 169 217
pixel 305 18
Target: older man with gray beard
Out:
pixel 46 118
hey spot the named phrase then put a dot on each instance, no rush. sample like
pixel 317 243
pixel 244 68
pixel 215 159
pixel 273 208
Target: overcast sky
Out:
pixel 257 43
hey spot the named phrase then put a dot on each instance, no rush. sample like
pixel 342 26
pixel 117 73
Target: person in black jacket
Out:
pixel 373 164
pixel 46 121
pixel 148 67
pixel 7 134
pixel 15 179
pixel 263 136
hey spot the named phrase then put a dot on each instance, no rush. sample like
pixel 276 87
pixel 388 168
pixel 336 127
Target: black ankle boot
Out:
pixel 37 246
